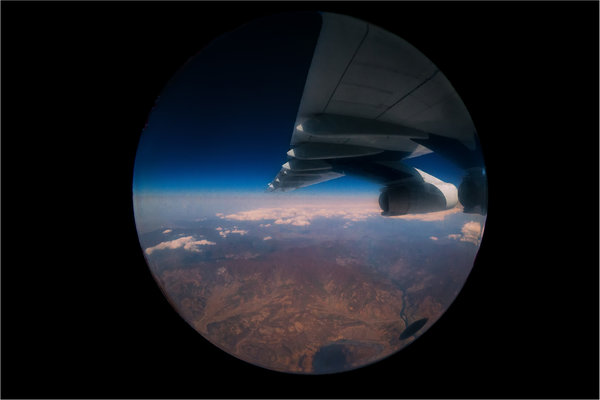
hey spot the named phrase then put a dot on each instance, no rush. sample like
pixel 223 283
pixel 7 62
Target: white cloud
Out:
pixel 267 238
pixel 205 242
pixel 470 232
pixel 434 238
pixel 167 231
pixel 187 242
pixel 226 232
pixel 430 217
pixel 303 215
pixel 300 220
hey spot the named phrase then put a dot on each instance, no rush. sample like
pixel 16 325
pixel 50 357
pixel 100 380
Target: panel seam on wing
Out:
pixel 409 93
pixel 347 66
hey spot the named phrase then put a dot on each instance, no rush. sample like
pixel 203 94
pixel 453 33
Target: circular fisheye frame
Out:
pixel 309 193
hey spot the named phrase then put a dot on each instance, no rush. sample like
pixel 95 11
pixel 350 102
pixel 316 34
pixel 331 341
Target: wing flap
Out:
pixel 288 179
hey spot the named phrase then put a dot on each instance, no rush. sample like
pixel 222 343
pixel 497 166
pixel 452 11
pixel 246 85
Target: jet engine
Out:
pixel 472 192
pixel 416 199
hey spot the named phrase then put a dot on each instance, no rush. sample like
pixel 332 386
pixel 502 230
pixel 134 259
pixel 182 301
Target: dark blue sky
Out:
pixel 225 120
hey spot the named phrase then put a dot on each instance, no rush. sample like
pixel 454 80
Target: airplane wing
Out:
pixel 370 100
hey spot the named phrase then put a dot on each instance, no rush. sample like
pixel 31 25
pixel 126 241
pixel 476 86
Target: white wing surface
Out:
pixel 360 70
pixel 370 100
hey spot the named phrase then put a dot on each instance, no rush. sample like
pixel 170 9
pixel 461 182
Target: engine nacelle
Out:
pixel 472 192
pixel 417 199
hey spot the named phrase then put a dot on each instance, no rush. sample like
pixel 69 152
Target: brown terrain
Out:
pixel 308 310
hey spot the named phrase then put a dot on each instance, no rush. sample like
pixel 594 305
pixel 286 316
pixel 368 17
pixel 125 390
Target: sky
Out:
pixel 224 121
